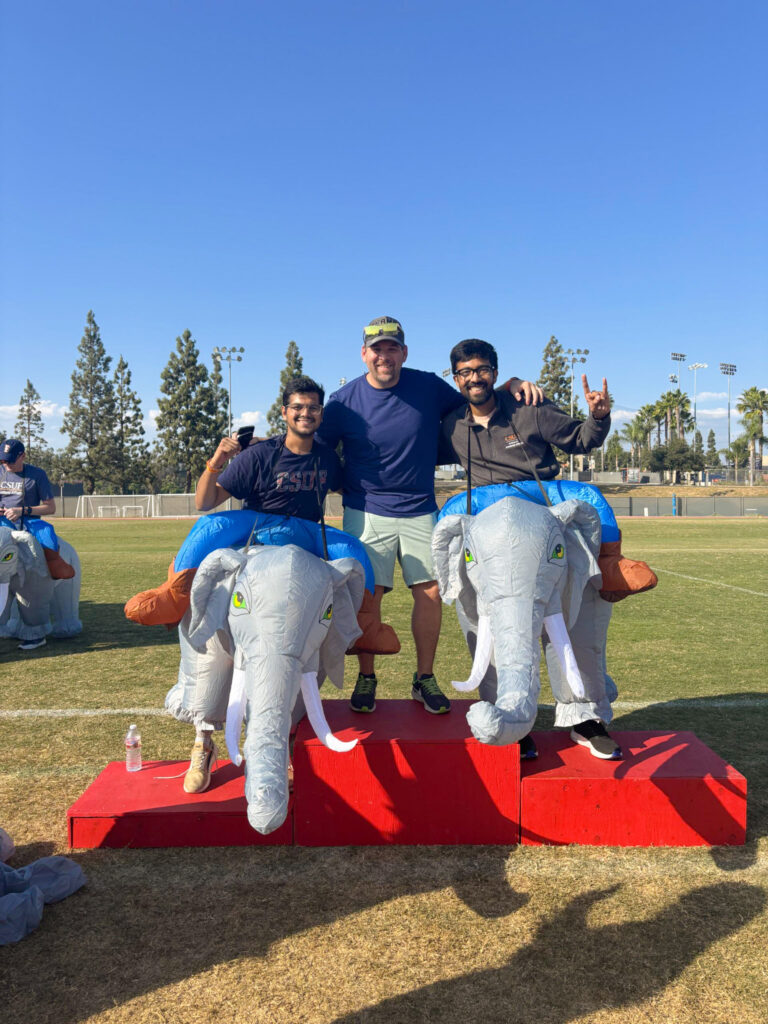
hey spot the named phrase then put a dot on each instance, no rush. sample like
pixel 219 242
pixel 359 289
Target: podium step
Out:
pixel 421 779
pixel 413 778
pixel 145 809
pixel 670 790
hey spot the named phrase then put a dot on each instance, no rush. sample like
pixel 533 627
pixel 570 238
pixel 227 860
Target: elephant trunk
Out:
pixel 272 686
pixel 516 627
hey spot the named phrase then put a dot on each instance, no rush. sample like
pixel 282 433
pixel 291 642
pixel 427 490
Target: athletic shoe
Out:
pixel 364 694
pixel 594 736
pixel 32 645
pixel 528 751
pixel 198 777
pixel 429 693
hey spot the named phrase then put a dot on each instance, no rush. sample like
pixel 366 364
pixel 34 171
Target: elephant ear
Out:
pixel 30 554
pixel 582 530
pixel 447 555
pixel 348 578
pixel 211 592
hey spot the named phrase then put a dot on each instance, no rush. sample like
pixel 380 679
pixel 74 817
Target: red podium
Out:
pixel 670 790
pixel 419 779
pixel 413 778
pixel 146 809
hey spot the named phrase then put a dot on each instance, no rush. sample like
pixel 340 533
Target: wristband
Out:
pixel 212 469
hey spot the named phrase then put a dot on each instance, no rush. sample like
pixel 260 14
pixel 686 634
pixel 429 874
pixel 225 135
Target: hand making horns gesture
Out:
pixel 598 401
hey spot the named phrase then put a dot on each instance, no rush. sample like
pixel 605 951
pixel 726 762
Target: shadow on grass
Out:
pixel 629 962
pixel 105 627
pixel 148 919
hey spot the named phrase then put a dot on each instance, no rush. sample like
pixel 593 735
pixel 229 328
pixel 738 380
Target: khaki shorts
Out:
pixel 387 538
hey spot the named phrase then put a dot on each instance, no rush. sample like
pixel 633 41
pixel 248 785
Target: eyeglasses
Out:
pixel 481 371
pixel 372 330
pixel 296 408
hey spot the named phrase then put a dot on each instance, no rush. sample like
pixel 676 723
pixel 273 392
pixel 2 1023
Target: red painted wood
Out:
pixel 670 790
pixel 141 809
pixel 414 778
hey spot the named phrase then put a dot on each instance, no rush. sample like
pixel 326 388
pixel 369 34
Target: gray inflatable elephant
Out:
pixel 519 571
pixel 32 605
pixel 263 630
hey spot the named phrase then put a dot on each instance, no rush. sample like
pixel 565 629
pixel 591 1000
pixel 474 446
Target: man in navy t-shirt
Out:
pixel 286 475
pixel 388 421
pixel 25 495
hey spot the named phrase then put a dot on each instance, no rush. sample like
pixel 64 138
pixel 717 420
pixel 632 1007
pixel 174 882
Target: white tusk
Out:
pixel 558 635
pixel 235 715
pixel 4 587
pixel 483 649
pixel 316 715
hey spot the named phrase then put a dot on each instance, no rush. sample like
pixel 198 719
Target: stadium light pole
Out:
pixel 227 355
pixel 695 367
pixel 728 369
pixel 575 355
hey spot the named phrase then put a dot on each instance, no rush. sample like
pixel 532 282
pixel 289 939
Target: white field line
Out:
pixel 712 583
pixel 620 705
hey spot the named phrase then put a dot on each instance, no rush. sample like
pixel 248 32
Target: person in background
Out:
pixel 25 496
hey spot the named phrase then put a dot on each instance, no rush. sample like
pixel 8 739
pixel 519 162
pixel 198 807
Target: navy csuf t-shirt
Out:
pixel 390 438
pixel 268 477
pixel 31 487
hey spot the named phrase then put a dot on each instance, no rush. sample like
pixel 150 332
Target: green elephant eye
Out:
pixel 468 556
pixel 558 552
pixel 8 557
pixel 327 614
pixel 238 600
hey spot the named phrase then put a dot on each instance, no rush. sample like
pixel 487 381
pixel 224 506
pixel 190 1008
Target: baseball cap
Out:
pixel 10 450
pixel 383 328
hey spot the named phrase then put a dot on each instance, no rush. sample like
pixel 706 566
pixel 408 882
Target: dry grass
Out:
pixel 382 934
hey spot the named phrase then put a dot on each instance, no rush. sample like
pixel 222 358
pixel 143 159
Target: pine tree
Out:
pixel 712 458
pixel 130 468
pixel 29 426
pixel 187 424
pixel 294 367
pixel 90 419
pixel 555 379
pixel 220 398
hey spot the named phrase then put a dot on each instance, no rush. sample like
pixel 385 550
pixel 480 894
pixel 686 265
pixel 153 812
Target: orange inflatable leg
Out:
pixel 166 604
pixel 57 567
pixel 622 576
pixel 378 637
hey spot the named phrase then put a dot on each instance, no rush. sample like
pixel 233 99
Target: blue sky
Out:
pixel 260 172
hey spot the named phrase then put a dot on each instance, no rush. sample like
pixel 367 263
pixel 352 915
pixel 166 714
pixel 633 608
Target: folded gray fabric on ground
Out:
pixel 23 891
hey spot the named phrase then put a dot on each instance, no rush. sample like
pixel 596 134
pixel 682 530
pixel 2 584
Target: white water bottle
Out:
pixel 133 750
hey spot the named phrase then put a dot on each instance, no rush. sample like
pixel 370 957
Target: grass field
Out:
pixel 544 935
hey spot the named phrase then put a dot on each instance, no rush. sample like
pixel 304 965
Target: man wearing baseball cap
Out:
pixel 25 495
pixel 388 421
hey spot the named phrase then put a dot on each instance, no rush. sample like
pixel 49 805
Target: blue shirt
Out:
pixel 270 478
pixel 389 438
pixel 32 483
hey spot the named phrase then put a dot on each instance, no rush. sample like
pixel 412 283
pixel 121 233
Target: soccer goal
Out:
pixel 113 506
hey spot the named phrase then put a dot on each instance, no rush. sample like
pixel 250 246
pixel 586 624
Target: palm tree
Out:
pixel 753 405
pixel 634 433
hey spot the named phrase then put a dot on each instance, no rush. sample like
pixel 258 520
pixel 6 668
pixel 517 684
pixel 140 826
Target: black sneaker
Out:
pixel 594 736
pixel 528 751
pixel 429 693
pixel 364 694
pixel 32 645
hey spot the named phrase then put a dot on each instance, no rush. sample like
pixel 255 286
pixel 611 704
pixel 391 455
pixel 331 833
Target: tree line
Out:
pixel 107 449
pixel 662 435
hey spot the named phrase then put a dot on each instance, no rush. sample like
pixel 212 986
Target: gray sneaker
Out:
pixel 594 736
pixel 429 693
